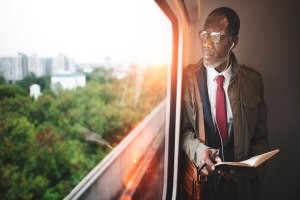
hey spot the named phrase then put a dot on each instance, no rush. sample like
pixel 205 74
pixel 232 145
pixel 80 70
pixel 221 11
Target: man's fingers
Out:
pixel 204 171
pixel 208 161
pixel 210 168
pixel 218 159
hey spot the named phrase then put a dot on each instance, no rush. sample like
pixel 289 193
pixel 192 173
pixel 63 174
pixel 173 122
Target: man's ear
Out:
pixel 235 41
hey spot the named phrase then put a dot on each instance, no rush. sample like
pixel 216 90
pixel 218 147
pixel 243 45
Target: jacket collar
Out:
pixel 235 65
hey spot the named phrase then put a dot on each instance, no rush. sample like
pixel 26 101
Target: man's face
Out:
pixel 215 52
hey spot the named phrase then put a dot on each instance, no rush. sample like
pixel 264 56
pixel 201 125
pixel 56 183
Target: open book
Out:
pixel 251 162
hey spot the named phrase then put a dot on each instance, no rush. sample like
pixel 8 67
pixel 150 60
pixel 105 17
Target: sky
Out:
pixel 86 30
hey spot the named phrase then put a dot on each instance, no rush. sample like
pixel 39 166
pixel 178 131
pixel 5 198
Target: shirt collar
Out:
pixel 212 73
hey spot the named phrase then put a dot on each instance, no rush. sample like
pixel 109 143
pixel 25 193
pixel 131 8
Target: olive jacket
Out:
pixel 245 93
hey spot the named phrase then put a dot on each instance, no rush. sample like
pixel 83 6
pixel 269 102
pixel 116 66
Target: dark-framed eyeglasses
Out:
pixel 214 36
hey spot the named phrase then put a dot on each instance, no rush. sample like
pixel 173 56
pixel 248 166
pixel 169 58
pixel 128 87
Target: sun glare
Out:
pixel 160 59
pixel 86 30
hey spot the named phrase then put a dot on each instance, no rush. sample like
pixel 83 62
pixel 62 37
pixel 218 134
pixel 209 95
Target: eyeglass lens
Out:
pixel 214 36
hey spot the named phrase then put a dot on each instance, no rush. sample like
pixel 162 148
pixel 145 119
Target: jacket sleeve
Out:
pixel 190 142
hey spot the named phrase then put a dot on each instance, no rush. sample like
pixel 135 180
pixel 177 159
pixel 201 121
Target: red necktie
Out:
pixel 221 114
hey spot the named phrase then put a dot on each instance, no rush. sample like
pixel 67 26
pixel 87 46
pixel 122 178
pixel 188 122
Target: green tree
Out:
pixel 2 80
pixel 43 153
pixel 25 83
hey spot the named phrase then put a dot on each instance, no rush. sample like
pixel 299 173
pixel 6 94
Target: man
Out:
pixel 224 108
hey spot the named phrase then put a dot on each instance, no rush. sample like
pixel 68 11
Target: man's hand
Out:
pixel 209 168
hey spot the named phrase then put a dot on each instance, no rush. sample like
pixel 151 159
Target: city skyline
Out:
pixel 20 66
pixel 87 31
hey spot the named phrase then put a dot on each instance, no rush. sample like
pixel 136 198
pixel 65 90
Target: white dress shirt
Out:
pixel 212 90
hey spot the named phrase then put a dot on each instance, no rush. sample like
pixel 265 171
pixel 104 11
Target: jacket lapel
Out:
pixel 202 83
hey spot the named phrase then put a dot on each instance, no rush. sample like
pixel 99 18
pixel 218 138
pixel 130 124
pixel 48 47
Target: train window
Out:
pixel 81 80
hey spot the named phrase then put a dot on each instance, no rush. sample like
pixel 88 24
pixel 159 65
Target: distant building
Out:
pixel 71 66
pixel 11 70
pixel 62 64
pixel 68 81
pixel 18 67
pixel 36 66
pixel 14 68
pixel 23 63
pixel 47 63
pixel 35 91
pixel 85 68
pixel 4 64
pixel 59 64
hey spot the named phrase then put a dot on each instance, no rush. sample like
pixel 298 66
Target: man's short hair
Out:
pixel 232 17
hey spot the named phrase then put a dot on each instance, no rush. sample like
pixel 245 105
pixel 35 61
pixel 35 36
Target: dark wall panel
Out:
pixel 269 41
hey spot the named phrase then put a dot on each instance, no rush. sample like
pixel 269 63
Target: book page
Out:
pixel 257 160
pixel 233 163
pixel 253 161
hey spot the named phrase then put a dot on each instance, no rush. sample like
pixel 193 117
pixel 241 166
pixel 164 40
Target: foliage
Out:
pixel 43 154
pixel 10 91
pixel 2 80
pixel 25 83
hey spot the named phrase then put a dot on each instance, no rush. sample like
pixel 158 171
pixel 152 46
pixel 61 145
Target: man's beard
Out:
pixel 216 64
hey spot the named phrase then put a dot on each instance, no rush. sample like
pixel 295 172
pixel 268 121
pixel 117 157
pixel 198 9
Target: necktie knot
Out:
pixel 220 80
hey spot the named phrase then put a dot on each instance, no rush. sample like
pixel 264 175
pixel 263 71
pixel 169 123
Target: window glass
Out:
pixel 75 78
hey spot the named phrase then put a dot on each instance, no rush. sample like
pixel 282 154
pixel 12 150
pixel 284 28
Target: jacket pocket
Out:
pixel 252 102
pixel 251 110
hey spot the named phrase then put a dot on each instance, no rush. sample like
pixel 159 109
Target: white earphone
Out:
pixel 231 46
